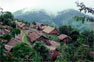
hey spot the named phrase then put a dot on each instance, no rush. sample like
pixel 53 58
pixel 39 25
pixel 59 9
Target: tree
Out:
pixel 15 31
pixel 86 9
pixel 66 53
pixel 65 29
pixel 5 55
pixel 39 28
pixel 82 54
pixel 75 34
pixel 41 49
pixel 88 36
pixel 34 22
pixel 6 37
pixel 6 18
pixel 24 51
pixel 2 50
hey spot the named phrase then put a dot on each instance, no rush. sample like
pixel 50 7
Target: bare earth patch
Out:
pixel 53 46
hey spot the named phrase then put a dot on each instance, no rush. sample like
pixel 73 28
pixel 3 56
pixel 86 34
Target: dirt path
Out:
pixel 53 46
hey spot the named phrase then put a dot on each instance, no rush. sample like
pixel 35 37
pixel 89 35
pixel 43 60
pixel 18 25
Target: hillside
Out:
pixel 63 18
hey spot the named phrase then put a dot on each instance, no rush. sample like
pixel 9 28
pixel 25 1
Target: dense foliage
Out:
pixel 41 49
pixel 26 52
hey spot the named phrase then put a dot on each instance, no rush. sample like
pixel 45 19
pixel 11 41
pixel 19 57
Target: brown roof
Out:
pixel 3 32
pixel 43 27
pixel 63 36
pixel 34 36
pixel 13 41
pixel 20 24
pixel 48 29
pixel 8 47
pixel 32 26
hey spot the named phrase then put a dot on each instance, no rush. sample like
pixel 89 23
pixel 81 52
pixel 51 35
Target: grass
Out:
pixel 52 37
pixel 26 40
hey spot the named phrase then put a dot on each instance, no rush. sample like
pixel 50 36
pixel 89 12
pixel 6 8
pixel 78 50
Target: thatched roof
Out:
pixel 34 36
pixel 13 41
pixel 20 24
pixel 63 36
pixel 8 47
pixel 48 29
pixel 3 32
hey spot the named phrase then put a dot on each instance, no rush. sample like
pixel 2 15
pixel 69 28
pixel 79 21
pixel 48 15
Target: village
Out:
pixel 35 32
pixel 46 31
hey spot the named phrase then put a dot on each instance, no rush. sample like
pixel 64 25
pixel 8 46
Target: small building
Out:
pixel 51 31
pixel 37 36
pixel 43 27
pixel 21 25
pixel 4 32
pixel 53 54
pixel 8 48
pixel 38 25
pixel 14 41
pixel 64 38
pixel 32 26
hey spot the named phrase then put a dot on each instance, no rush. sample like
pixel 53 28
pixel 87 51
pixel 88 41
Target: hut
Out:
pixel 50 30
pixel 37 36
pixel 64 38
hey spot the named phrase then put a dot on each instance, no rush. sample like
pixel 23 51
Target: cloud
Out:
pixel 49 5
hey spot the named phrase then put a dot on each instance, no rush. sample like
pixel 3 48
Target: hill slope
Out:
pixel 63 18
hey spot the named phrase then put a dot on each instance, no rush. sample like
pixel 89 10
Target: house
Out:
pixel 53 54
pixel 8 48
pixel 32 26
pixel 21 25
pixel 14 41
pixel 64 38
pixel 38 25
pixel 43 27
pixel 5 26
pixel 50 30
pixel 37 36
pixel 4 32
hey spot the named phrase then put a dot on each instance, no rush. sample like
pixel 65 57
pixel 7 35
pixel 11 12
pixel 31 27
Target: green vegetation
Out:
pixel 26 52
pixel 41 49
pixel 33 22
pixel 26 39
pixel 76 51
pixel 52 37
pixel 8 19
pixel 5 37
pixel 68 30
pixel 15 32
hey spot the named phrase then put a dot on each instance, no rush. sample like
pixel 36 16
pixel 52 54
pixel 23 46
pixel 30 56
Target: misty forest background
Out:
pixel 65 17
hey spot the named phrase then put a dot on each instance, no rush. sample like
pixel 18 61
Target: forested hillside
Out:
pixel 65 17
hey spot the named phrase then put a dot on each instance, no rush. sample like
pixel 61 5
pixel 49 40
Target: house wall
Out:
pixel 67 40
